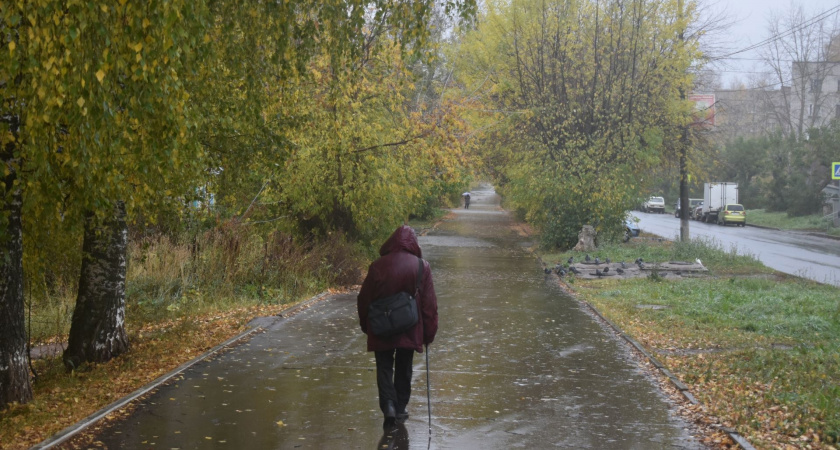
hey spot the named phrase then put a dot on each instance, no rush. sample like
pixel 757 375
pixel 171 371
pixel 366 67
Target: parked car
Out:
pixel 631 228
pixel 692 203
pixel 697 213
pixel 732 213
pixel 654 204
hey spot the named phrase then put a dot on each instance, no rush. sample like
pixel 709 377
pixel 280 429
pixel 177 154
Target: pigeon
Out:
pixel 619 271
pixel 639 260
pixel 571 260
pixel 606 269
pixel 588 258
pixel 698 261
pixel 597 261
pixel 547 270
pixel 641 265
pixel 561 272
pixel 623 266
pixel 608 261
pixel 557 267
pixel 574 270
pixel 598 273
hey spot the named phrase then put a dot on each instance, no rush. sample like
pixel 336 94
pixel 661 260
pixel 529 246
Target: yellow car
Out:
pixel 732 214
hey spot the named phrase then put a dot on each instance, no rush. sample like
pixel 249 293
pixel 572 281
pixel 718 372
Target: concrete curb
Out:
pixel 737 438
pixel 71 431
pixel 763 227
pixel 809 233
pixel 824 235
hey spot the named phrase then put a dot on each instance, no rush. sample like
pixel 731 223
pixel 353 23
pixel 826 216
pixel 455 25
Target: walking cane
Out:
pixel 428 392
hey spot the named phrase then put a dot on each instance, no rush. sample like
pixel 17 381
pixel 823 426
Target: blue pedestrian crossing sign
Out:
pixel 835 171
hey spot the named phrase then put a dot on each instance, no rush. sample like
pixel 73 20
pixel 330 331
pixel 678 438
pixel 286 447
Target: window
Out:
pixel 837 111
pixel 838 84
pixel 816 85
pixel 810 110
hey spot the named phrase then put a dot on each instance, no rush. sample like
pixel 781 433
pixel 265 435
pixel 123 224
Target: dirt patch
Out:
pixel 522 229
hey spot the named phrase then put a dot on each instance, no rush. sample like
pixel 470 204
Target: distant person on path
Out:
pixel 466 200
pixel 396 271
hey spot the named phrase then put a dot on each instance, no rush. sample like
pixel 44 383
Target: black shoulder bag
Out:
pixel 396 313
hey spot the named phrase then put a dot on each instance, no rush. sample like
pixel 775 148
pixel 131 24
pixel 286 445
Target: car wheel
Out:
pixel 626 235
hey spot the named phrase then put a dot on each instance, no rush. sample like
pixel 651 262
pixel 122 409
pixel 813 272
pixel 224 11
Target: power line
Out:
pixel 783 34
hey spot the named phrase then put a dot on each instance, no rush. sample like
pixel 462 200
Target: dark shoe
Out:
pixel 390 414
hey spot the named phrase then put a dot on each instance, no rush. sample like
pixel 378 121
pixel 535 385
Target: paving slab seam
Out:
pixel 71 431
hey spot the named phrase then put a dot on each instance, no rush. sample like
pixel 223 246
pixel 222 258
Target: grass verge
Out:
pixel 760 350
pixel 782 221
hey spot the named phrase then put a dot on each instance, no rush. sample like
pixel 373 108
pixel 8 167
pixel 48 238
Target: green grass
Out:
pixel 782 221
pixel 759 349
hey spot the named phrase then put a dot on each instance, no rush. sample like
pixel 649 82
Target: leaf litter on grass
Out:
pixel 760 352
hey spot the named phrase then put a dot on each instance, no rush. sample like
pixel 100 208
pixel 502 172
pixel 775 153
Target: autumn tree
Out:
pixel 96 123
pixel 327 130
pixel 368 154
pixel 589 91
pixel 103 116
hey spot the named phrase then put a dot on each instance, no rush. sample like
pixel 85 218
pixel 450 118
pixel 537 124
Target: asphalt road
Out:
pixel 796 253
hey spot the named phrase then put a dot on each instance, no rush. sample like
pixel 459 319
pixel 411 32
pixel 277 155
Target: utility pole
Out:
pixel 683 146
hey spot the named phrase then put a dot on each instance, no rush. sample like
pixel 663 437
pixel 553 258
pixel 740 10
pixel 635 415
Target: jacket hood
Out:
pixel 402 239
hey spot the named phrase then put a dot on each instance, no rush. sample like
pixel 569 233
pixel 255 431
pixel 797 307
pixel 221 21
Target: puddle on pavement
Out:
pixel 516 364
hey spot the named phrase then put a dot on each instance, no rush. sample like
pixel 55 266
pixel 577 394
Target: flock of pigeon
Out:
pixel 607 268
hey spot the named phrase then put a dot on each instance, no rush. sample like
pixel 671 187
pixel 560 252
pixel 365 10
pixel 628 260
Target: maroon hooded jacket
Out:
pixel 393 272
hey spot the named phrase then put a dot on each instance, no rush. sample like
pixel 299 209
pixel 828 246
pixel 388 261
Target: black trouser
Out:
pixel 393 377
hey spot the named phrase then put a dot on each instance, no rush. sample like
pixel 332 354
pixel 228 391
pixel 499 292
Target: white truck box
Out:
pixel 716 196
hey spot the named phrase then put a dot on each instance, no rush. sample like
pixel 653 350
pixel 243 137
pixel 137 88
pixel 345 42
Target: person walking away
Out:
pixel 396 271
pixel 466 200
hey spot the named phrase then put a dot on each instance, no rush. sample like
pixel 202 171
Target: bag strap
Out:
pixel 419 281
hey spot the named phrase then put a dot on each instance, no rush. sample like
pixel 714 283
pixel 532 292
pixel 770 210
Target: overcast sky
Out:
pixel 750 27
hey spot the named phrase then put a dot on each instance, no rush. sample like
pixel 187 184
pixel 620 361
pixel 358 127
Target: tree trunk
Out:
pixel 14 372
pixel 97 332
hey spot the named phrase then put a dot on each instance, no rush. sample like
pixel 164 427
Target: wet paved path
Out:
pixel 516 364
